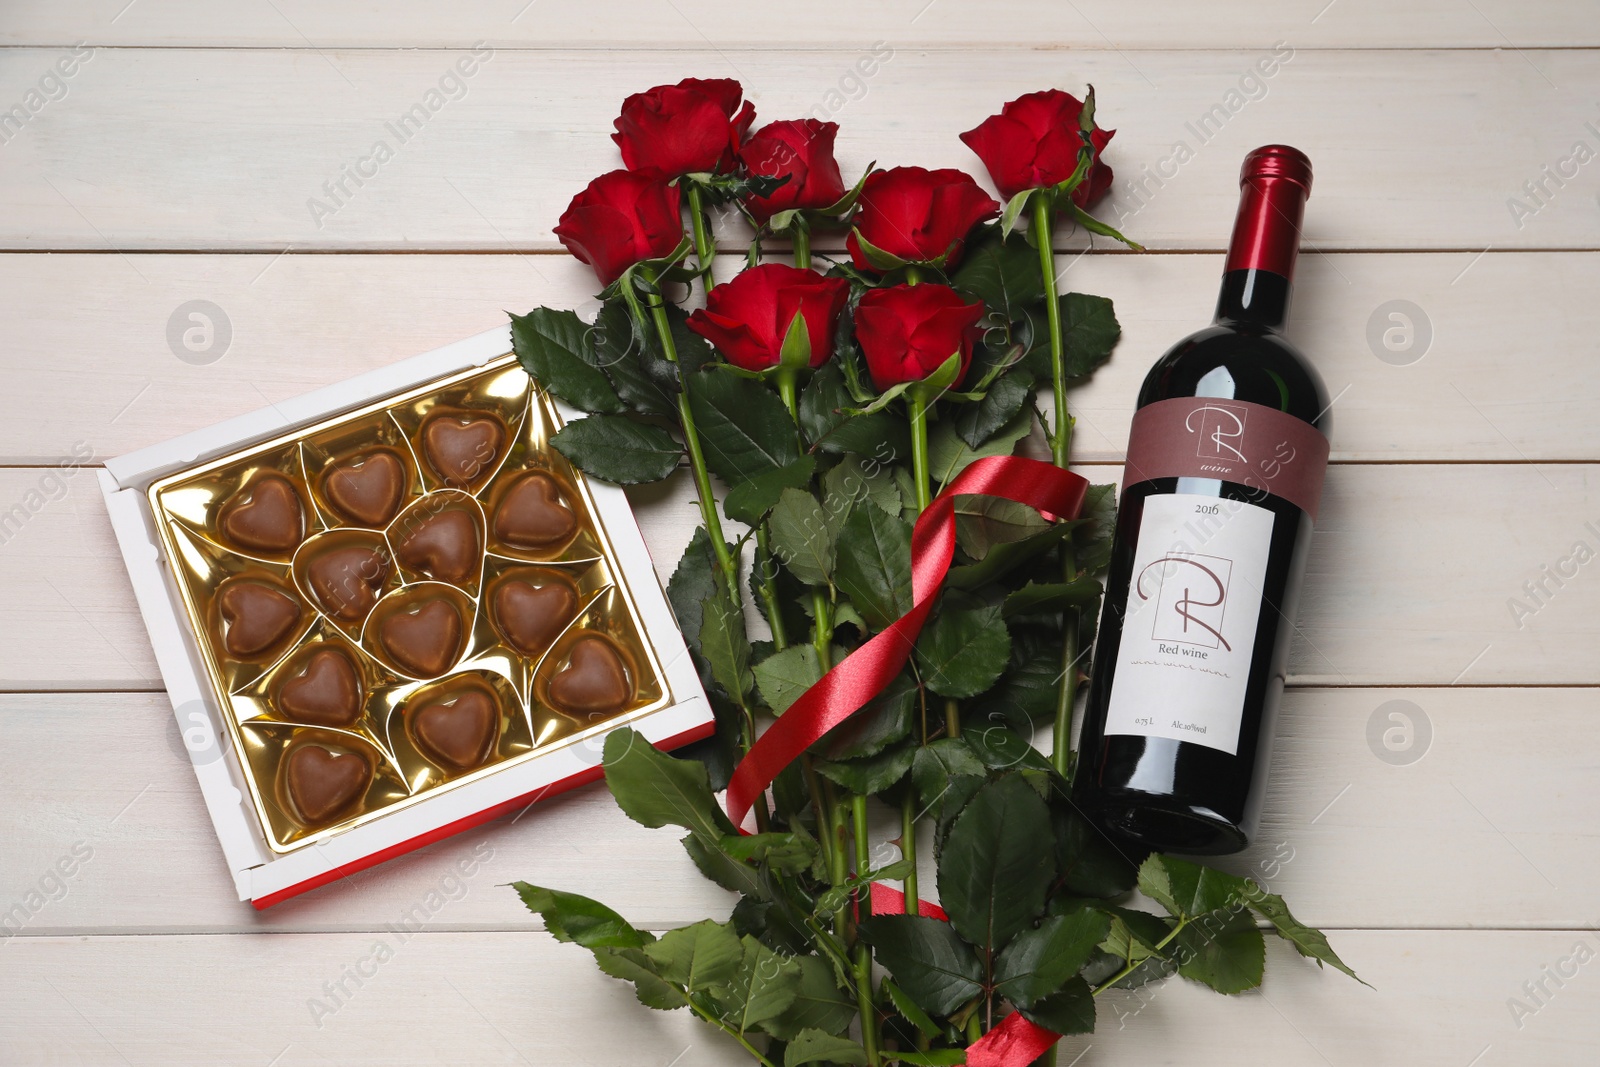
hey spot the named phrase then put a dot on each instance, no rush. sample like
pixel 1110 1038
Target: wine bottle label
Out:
pixel 1236 441
pixel 1190 627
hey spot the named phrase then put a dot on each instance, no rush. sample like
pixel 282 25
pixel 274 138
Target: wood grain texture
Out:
pixel 553 24
pixel 227 149
pixel 105 372
pixel 1441 999
pixel 1350 839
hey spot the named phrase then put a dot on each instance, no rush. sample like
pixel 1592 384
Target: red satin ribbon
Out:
pixel 865 672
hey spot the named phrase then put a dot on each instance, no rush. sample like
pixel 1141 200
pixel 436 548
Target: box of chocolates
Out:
pixel 389 611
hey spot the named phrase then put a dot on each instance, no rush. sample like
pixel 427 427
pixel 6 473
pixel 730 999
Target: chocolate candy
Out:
pixel 347 580
pixel 257 614
pixel 322 784
pixel 367 488
pixel 425 639
pixel 530 615
pixel 534 514
pixel 596 680
pixel 461 447
pixel 264 515
pixel 444 546
pixel 325 691
pixel 456 729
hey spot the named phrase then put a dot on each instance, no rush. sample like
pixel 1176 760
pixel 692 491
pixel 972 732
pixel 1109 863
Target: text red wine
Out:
pixel 1226 457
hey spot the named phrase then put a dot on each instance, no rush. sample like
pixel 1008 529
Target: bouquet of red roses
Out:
pixel 923 594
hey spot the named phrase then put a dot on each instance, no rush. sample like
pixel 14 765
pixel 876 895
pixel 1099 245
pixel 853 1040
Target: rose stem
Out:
pixel 869 1015
pixel 704 251
pixel 802 243
pixel 918 407
pixel 1060 450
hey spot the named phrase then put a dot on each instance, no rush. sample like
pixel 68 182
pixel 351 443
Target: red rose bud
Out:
pixel 909 331
pixel 801 151
pixel 623 217
pixel 1034 142
pixel 748 317
pixel 917 215
pixel 690 127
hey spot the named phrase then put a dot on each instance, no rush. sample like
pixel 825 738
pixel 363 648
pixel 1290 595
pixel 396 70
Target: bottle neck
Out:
pixel 1259 271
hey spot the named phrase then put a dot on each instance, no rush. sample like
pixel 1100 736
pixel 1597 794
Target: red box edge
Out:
pixel 467 822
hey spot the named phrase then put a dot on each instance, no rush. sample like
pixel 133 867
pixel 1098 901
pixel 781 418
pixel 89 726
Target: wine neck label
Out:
pixel 1236 441
pixel 1193 607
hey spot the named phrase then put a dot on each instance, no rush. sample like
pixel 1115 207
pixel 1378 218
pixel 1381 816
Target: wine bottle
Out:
pixel 1225 464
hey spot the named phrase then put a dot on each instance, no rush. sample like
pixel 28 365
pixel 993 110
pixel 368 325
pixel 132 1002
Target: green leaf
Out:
pixel 1047 598
pixel 1071 1011
pixel 814 1046
pixel 887 718
pixel 1089 331
pixel 818 1003
pixel 631 358
pixel 909 1009
pixel 631 965
pixel 655 790
pixel 764 986
pixel 794 355
pixel 744 428
pixel 1091 538
pixel 1123 943
pixel 962 651
pixel 1223 950
pixel 697 957
pixel 789 853
pixel 948 454
pixel 855 480
pixel 993 874
pixel 1039 961
pixel 725 645
pixel 938 764
pixel 748 501
pixel 872 774
pixel 983 522
pixel 1188 890
pixel 693 580
pixel 614 448
pixel 877 257
pixel 1094 225
pixel 803 534
pixel 1026 694
pixel 1307 940
pixel 944 1057
pixel 1014 209
pixel 839 895
pixel 927 958
pixel 555 347
pixel 579 920
pixel 723 869
pixel 976 423
pixel 1092 865
pixel 1003 273
pixel 783 676
pixel 883 436
pixel 874 571
pixel 1001 749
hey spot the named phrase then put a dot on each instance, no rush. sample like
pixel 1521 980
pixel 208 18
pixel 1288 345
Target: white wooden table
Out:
pixel 176 163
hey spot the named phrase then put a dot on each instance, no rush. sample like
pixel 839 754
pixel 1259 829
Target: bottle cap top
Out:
pixel 1278 161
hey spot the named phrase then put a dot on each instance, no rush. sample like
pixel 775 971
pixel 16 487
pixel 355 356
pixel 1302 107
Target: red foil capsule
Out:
pixel 1275 182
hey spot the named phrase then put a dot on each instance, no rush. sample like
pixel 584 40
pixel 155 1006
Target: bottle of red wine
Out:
pixel 1225 463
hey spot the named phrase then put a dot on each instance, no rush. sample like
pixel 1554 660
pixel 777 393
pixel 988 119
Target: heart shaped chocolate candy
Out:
pixel 366 488
pixel 325 691
pixel 595 681
pixel 444 546
pixel 531 616
pixel 322 784
pixel 457 729
pixel 461 447
pixel 263 515
pixel 347 580
pixel 425 639
pixel 533 514
pixel 258 615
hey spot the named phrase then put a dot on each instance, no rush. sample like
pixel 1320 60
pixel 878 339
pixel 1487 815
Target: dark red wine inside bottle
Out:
pixel 1225 463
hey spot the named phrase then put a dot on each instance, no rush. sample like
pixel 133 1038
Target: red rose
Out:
pixel 918 215
pixel 621 218
pixel 1034 142
pixel 802 151
pixel 693 126
pixel 748 317
pixel 907 332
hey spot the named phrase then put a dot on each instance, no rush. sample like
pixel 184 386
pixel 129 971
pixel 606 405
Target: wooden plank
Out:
pixel 1413 578
pixel 134 157
pixel 519 997
pixel 1350 838
pixel 550 24
pixel 1463 385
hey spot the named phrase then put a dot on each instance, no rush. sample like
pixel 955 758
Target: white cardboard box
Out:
pixel 261 875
